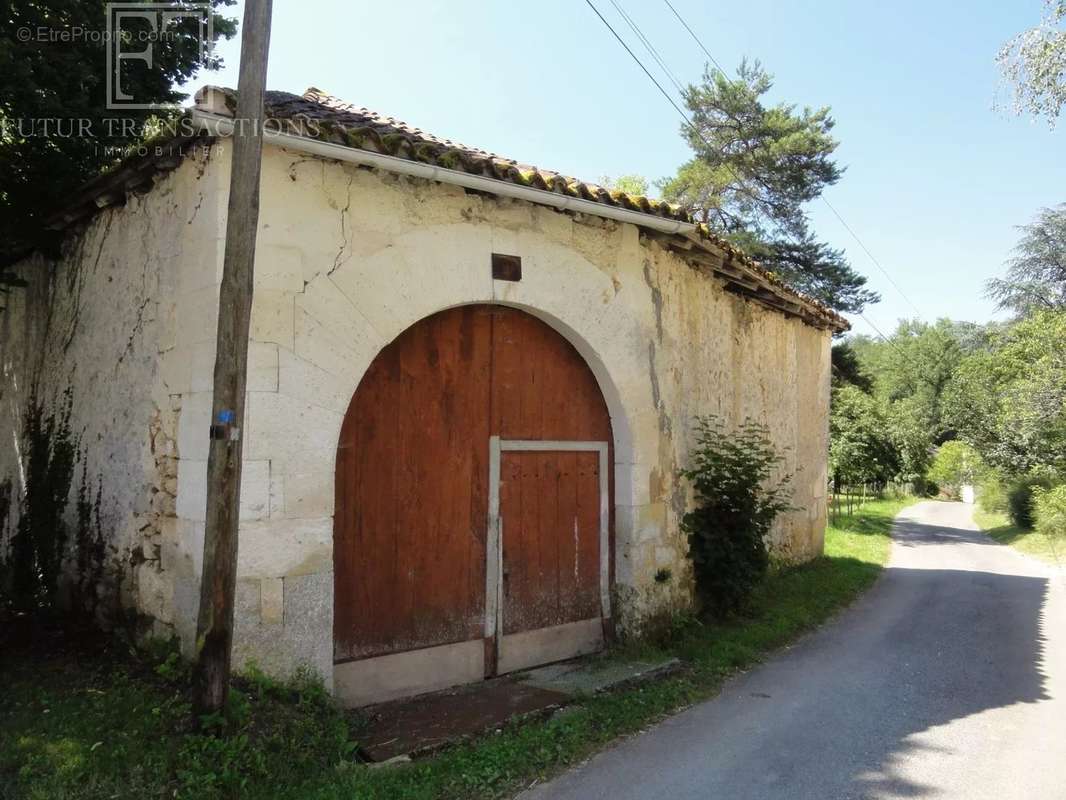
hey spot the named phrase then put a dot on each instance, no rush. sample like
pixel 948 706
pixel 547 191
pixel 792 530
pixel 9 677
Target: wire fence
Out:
pixel 845 499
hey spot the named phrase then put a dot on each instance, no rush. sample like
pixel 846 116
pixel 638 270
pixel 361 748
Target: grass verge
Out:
pixel 89 722
pixel 998 525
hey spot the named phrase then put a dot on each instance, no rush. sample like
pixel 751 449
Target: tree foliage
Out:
pixel 1036 276
pixel 754 167
pixel 955 465
pixel 861 449
pixel 916 365
pixel 1049 509
pixel 1022 495
pixel 909 432
pixel 633 185
pixel 848 370
pixel 1034 63
pixel 737 502
pixel 1009 401
pixel 815 268
pixel 56 129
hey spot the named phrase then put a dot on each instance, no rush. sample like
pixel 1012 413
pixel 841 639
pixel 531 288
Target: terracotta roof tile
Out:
pixel 353 126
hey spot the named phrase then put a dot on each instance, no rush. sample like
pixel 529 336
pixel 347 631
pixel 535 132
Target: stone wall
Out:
pixel 349 257
pixel 110 324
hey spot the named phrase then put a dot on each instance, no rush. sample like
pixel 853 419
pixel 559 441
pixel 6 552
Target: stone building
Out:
pixel 471 386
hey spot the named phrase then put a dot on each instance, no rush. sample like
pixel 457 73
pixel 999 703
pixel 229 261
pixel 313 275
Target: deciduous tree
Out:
pixel 1036 276
pixel 861 449
pixel 55 128
pixel 956 464
pixel 1034 62
pixel 1009 401
pixel 633 185
pixel 917 365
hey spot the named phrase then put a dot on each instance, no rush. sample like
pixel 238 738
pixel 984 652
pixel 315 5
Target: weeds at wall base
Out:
pixel 290 742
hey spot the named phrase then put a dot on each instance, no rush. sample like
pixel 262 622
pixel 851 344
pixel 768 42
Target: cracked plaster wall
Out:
pixel 348 258
pixel 116 320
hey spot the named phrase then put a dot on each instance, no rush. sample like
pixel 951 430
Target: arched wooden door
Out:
pixel 473 504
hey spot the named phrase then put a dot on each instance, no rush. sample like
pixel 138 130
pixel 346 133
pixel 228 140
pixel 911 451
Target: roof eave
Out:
pixel 741 276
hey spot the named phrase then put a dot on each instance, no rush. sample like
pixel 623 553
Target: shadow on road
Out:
pixel 911 533
pixel 854 710
pixel 973 643
pixel 957 643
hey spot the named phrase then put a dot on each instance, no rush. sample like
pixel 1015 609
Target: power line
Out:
pixel 689 122
pixel 651 77
pixel 649 47
pixel 884 338
pixel 664 93
pixel 872 257
pixel 877 330
pixel 829 205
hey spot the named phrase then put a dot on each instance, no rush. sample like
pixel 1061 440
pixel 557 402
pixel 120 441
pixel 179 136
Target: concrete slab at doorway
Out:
pixel 422 724
pixel 419 725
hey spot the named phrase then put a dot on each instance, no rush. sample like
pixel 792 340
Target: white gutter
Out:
pixel 217 125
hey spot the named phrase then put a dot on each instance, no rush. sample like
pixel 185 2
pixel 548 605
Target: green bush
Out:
pixel 956 464
pixel 736 505
pixel 1049 507
pixel 1020 499
pixel 991 496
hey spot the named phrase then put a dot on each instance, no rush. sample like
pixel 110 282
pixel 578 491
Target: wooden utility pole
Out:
pixel 214 628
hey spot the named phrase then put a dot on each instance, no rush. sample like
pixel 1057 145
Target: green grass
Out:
pixel 80 724
pixel 998 525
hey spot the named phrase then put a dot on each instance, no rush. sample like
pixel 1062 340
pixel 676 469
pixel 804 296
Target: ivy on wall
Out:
pixel 90 548
pixel 50 548
pixel 49 455
pixel 5 516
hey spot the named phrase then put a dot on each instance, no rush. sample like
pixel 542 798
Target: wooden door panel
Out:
pixel 412 473
pixel 542 388
pixel 410 531
pixel 550 512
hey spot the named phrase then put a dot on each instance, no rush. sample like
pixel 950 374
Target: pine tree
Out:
pixel 754 167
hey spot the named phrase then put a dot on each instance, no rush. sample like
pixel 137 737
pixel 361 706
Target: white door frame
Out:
pixel 379 678
pixel 494 540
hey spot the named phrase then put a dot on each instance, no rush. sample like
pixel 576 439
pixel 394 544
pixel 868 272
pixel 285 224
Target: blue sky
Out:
pixel 936 180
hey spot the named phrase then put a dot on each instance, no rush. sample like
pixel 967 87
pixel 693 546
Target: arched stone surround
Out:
pixel 348 258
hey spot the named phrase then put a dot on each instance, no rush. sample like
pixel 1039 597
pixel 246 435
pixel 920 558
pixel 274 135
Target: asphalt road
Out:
pixel 947 680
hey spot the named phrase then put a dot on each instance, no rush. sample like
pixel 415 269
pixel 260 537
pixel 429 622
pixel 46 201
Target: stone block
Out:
pixel 262 367
pixel 284 547
pixel 278 267
pixel 271 600
pixel 255 490
pixel 191 502
pixel 305 381
pixel 302 638
pixel 322 302
pixel 427 269
pixel 307 494
pixel 194 424
pixel 273 315
pixel 292 433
